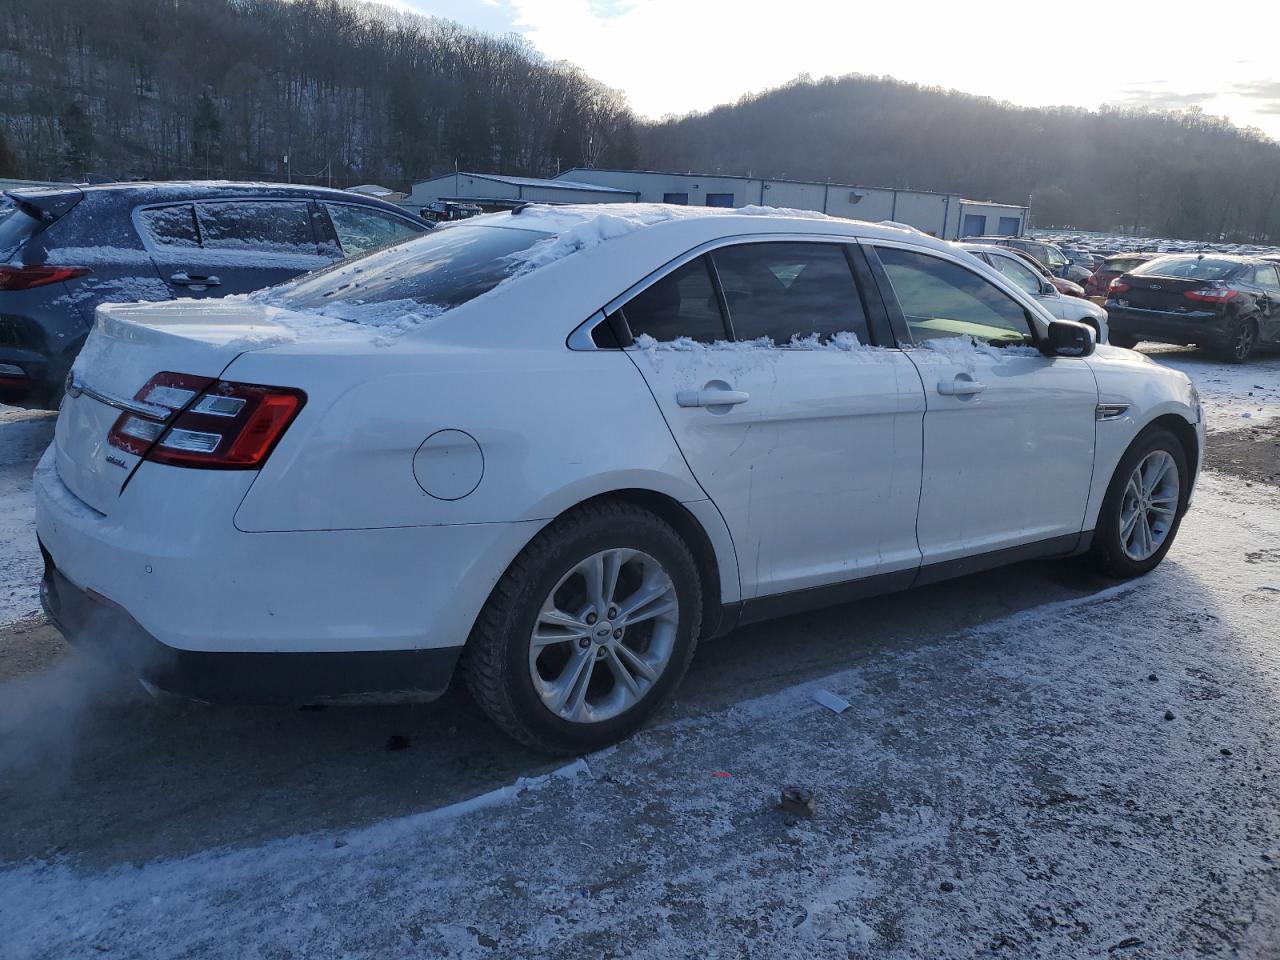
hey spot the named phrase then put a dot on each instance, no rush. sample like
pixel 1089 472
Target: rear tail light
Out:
pixel 210 423
pixel 24 278
pixel 1211 294
pixel 1117 286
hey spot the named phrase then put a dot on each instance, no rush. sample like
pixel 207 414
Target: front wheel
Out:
pixel 589 631
pixel 1143 506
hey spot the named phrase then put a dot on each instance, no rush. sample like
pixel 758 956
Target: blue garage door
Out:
pixel 1009 226
pixel 719 199
pixel 975 225
pixel 680 198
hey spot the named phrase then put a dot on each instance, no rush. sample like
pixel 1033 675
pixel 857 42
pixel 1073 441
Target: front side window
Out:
pixel 264 226
pixel 1055 257
pixel 789 290
pixel 171 226
pixel 361 229
pixel 940 298
pixel 681 304
pixel 1018 272
pixel 1265 276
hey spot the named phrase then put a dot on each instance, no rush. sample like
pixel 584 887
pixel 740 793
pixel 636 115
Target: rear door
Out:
pixel 1267 280
pixel 1008 433
pixel 807 441
pixel 237 246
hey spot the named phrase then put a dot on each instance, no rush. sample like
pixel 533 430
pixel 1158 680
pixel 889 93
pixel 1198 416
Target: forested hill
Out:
pixel 1183 175
pixel 227 88
pixel 354 93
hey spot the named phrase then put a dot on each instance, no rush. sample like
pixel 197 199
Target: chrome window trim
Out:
pixel 148 411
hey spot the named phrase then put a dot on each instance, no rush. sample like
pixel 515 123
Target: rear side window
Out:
pixel 361 229
pixel 1188 268
pixel 786 290
pixel 1265 276
pixel 681 304
pixel 443 268
pixel 943 299
pixel 171 226
pixel 265 226
pixel 16 227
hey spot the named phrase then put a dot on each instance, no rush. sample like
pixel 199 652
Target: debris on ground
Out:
pixel 831 701
pixel 798 802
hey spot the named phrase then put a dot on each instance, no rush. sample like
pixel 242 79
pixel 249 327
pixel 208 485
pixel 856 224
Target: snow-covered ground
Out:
pixel 23 436
pixel 1015 790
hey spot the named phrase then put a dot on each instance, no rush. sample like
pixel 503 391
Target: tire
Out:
pixel 1242 337
pixel 1112 552
pixel 1126 340
pixel 546 579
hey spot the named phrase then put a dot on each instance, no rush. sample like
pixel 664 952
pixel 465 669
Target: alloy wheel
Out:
pixel 1149 506
pixel 1244 342
pixel 604 635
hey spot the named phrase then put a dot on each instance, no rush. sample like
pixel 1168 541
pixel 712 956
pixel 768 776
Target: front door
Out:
pixel 807 441
pixel 1008 433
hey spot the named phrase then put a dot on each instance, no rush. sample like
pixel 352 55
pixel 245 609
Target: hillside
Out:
pixel 228 88
pixel 1185 175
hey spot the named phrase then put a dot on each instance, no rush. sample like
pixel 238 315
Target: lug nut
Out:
pixel 592 618
pixel 617 634
pixel 584 642
pixel 613 612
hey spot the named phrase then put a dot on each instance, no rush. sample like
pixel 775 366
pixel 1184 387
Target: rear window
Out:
pixel 1123 264
pixel 1188 268
pixel 444 268
pixel 16 227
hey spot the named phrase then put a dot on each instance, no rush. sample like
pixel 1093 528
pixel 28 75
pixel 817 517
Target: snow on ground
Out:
pixel 1234 395
pixel 23 436
pixel 1013 790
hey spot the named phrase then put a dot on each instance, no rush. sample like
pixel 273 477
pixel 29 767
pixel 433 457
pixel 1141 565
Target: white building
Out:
pixel 945 215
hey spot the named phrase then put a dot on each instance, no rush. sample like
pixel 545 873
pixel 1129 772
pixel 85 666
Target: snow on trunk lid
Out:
pixel 129 345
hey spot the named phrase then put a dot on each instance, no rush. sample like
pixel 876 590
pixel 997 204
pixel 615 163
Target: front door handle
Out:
pixel 961 386
pixel 183 279
pixel 712 397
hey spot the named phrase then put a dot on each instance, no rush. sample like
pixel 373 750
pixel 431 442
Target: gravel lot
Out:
pixel 1005 783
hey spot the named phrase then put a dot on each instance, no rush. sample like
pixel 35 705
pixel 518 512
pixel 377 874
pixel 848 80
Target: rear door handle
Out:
pixel 711 398
pixel 183 279
pixel 961 387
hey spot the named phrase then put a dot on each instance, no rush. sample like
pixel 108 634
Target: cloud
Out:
pixel 1153 99
pixel 1258 89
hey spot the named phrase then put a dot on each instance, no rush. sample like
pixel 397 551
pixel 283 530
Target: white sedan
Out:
pixel 1024 275
pixel 553 448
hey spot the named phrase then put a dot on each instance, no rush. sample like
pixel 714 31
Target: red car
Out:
pixel 1112 267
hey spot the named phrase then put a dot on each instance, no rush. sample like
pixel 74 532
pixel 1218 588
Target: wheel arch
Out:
pixel 1186 435
pixel 694 533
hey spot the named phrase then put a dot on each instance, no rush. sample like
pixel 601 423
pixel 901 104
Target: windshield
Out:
pixel 442 269
pixel 1123 264
pixel 1188 268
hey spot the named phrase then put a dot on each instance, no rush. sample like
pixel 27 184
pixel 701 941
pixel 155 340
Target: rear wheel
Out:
pixel 589 631
pixel 1143 506
pixel 1126 340
pixel 1241 339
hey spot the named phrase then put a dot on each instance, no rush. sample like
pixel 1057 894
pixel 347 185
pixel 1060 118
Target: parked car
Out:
pixel 1112 267
pixel 1061 284
pixel 446 211
pixel 1230 305
pixel 1015 268
pixel 1048 254
pixel 65 250
pixel 558 446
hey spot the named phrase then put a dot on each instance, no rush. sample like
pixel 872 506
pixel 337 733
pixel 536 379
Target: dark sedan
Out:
pixel 1230 305
pixel 65 250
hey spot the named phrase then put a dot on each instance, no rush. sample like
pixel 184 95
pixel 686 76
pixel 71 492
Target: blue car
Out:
pixel 64 250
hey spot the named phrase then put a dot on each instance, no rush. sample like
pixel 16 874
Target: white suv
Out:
pixel 563 444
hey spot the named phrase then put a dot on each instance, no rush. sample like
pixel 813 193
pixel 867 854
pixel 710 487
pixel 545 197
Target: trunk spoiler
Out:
pixel 46 205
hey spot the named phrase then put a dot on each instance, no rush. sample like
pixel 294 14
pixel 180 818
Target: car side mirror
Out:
pixel 1067 338
pixel 1047 289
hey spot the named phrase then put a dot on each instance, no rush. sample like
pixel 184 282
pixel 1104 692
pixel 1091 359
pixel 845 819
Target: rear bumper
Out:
pixel 1201 328
pixel 106 630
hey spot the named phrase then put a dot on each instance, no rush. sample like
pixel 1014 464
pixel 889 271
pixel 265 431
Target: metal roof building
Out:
pixel 946 215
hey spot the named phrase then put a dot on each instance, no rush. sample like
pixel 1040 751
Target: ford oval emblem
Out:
pixel 1155 286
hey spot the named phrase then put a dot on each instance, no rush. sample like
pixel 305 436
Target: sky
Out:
pixel 677 56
